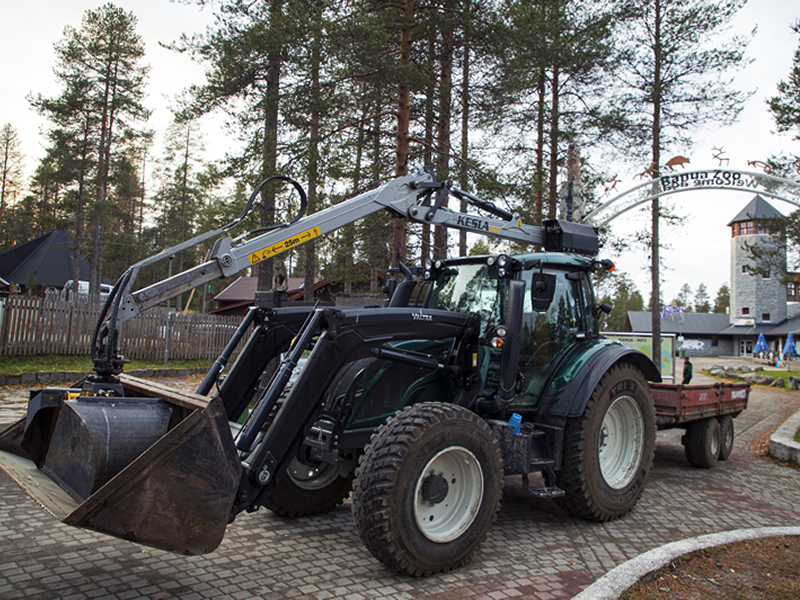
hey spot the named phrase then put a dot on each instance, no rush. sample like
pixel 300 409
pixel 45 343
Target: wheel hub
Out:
pixel 434 488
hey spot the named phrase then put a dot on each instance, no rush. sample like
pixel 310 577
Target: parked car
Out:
pixel 83 288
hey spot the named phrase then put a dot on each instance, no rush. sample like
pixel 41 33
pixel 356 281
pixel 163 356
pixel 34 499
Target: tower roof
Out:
pixel 757 208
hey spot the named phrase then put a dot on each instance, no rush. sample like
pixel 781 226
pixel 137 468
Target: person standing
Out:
pixel 687 370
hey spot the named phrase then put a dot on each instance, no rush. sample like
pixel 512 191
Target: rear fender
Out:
pixel 569 391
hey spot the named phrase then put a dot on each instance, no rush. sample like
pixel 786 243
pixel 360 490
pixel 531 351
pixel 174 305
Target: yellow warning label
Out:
pixel 284 245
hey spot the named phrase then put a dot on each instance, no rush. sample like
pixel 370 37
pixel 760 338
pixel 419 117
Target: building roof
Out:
pixel 244 289
pixel 685 323
pixel 708 324
pixel 757 208
pixel 49 257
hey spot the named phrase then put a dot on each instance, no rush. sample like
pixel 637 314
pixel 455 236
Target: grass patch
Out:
pixel 776 373
pixel 17 365
pixel 797 436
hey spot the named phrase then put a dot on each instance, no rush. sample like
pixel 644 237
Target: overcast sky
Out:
pixel 699 251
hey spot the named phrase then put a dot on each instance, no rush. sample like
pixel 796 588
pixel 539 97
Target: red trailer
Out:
pixel 706 412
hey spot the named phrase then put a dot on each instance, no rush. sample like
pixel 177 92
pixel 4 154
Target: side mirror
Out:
pixel 606 308
pixel 543 286
pixel 389 287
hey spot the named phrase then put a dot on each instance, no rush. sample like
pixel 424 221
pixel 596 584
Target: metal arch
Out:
pixel 692 181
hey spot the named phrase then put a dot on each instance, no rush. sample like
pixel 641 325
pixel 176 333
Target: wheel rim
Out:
pixel 311 476
pixel 621 442
pixel 715 443
pixel 456 478
pixel 728 436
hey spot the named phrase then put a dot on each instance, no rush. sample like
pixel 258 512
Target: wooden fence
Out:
pixel 53 325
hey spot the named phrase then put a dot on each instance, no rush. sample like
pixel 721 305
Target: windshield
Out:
pixel 471 289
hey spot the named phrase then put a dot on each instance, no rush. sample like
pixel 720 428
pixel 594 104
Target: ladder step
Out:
pixel 537 464
pixel 547 492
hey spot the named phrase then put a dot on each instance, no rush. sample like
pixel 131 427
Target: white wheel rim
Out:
pixel 447 519
pixel 621 442
pixel 715 444
pixel 311 477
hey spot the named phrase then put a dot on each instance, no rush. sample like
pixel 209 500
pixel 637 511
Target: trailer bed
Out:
pixel 678 404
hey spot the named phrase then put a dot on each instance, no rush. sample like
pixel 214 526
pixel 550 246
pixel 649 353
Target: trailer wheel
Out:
pixel 726 437
pixel 702 443
pixel 308 488
pixel 428 488
pixel 609 450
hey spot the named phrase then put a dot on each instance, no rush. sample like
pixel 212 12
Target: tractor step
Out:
pixel 547 492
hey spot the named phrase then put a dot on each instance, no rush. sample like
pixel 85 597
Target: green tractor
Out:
pixel 479 368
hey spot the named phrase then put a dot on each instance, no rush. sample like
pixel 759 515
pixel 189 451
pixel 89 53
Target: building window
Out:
pixel 746 228
pixel 745 310
pixel 745 269
pixel 791 290
pixel 766 274
pixel 765 317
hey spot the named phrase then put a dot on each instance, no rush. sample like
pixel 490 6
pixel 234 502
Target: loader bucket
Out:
pixel 157 467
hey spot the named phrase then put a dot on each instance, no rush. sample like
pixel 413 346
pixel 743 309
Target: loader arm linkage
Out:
pixel 407 196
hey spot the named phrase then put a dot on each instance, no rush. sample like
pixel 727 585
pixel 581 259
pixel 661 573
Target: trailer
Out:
pixel 706 412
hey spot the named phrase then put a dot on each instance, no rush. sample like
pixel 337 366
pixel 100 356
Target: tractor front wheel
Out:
pixel 428 488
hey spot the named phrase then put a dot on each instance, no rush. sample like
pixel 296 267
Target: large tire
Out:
pixel 609 450
pixel 702 443
pixel 308 488
pixel 726 437
pixel 428 488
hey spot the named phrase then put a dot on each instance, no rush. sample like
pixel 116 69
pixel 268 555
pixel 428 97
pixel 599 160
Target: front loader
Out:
pixel 480 368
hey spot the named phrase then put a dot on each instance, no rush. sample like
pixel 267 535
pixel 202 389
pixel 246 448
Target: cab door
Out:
pixel 548 335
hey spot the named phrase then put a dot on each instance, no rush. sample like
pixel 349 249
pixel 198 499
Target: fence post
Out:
pixel 167 334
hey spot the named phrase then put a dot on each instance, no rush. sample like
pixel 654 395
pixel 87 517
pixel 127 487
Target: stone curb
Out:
pixel 72 377
pixel 782 445
pixel 617 580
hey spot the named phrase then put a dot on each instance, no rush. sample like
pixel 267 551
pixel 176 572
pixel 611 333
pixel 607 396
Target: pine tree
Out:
pixel 675 78
pixel 785 106
pixel 701 299
pixel 10 174
pixel 723 300
pixel 96 114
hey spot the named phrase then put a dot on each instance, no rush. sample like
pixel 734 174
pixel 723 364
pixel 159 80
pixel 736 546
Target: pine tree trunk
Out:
pixel 403 124
pixel 655 308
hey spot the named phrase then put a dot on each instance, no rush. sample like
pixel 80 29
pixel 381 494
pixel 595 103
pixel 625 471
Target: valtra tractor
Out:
pixel 477 369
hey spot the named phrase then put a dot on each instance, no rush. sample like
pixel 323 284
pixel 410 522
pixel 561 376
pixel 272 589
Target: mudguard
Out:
pixel 581 371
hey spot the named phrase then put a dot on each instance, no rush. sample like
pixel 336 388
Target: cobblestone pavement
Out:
pixel 535 550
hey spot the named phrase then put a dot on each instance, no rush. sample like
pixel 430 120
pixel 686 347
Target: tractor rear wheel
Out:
pixel 609 450
pixel 428 488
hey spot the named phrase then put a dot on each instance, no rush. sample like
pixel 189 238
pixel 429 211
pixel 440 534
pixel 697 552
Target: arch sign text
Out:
pixel 690 181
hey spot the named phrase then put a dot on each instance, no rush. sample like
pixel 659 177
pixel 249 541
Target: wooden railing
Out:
pixel 54 325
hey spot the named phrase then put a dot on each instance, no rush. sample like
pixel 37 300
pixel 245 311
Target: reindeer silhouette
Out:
pixel 717 153
pixel 651 170
pixel 677 160
pixel 761 165
pixel 613 181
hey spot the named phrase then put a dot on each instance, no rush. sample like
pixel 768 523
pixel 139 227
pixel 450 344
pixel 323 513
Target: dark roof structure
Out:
pixel 710 324
pixel 757 208
pixel 49 257
pixel 686 323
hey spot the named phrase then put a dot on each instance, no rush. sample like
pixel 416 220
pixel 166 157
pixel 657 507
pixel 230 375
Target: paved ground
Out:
pixel 535 550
